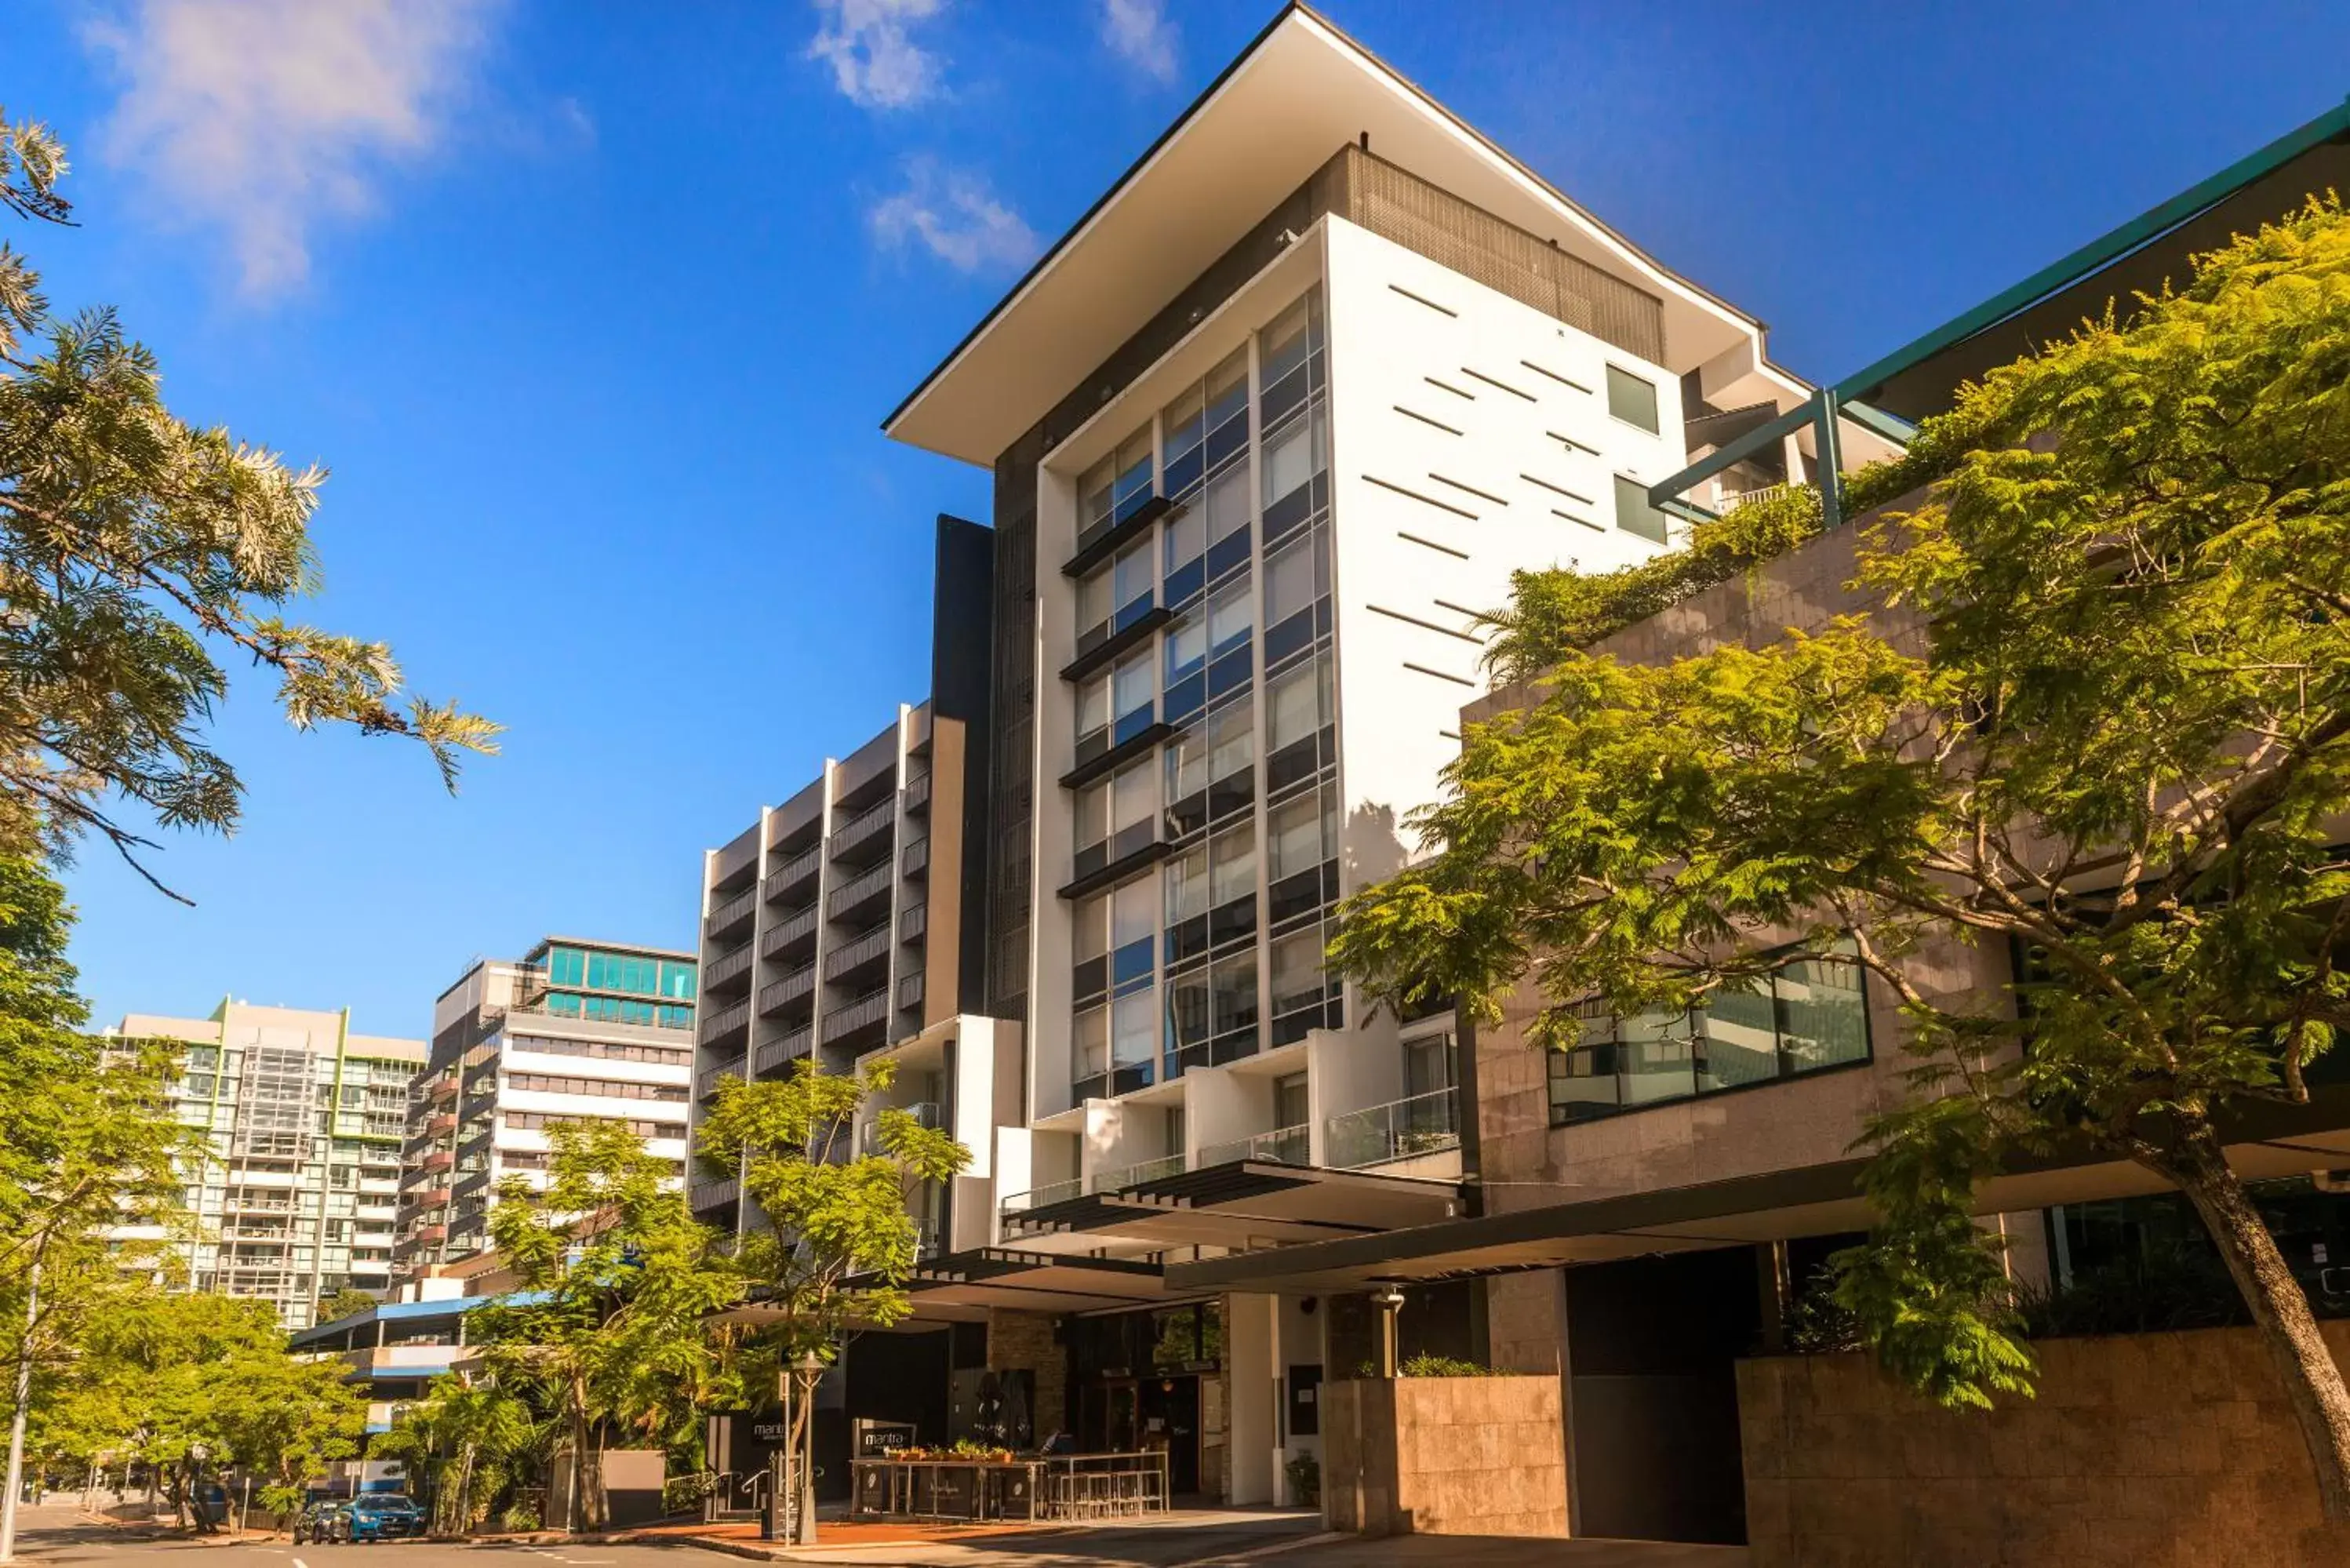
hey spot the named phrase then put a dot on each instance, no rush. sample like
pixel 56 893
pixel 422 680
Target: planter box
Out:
pixel 1444 1456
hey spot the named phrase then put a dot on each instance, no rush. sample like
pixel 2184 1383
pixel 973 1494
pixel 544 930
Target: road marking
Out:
pixel 299 1564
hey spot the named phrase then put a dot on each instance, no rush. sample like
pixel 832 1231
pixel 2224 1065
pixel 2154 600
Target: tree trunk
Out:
pixel 2280 1308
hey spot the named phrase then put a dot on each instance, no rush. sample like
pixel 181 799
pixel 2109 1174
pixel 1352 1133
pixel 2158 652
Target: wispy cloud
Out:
pixel 1139 32
pixel 874 59
pixel 956 216
pixel 259 118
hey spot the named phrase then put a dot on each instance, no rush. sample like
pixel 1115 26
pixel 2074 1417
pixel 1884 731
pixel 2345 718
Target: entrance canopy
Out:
pixel 1242 1206
pixel 2267 1140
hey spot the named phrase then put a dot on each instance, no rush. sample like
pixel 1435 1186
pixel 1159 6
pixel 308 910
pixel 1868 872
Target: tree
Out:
pixel 86 1145
pixel 132 546
pixel 615 1278
pixel 2101 711
pixel 194 1385
pixel 346 1303
pixel 836 1239
pixel 469 1440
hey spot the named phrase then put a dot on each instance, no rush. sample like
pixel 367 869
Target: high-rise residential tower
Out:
pixel 294 1197
pixel 573 1030
pixel 1270 428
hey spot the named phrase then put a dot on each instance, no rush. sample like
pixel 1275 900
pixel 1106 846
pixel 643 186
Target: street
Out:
pixel 59 1536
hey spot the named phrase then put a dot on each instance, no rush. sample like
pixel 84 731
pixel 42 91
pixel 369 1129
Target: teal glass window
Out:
pixel 677 981
pixel 566 966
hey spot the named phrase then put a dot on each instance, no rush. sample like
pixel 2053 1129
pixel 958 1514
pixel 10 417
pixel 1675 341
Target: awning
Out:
pixel 2266 1140
pixel 1241 1206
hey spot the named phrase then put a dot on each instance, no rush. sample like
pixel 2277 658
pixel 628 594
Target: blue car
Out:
pixel 379 1516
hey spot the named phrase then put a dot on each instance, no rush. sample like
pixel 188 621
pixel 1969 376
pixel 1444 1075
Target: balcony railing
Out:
pixel 1730 501
pixel 440 1126
pixel 706 1082
pixel 913 922
pixel 918 793
pixel 863 829
pixel 912 989
pixel 725 1021
pixel 1044 1195
pixel 926 1113
pixel 777 1052
pixel 726 969
pixel 857 951
pixel 917 858
pixel 715 1193
pixel 865 1012
pixel 792 874
pixel 1423 1124
pixel 778 993
pixel 439 1160
pixel 791 932
pixel 736 911
pixel 1117 1179
pixel 853 893
pixel 1282 1145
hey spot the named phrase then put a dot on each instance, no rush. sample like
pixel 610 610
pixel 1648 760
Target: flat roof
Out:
pixel 1300 90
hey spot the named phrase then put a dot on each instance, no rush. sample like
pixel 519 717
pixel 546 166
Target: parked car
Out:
pixel 311 1523
pixel 377 1516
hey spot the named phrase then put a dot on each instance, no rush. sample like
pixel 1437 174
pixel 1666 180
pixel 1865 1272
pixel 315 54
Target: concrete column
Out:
pixel 1253 1354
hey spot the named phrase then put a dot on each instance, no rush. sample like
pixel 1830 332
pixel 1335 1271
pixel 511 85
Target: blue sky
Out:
pixel 594 310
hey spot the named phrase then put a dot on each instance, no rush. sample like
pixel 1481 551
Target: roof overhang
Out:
pixel 1242 1206
pixel 1295 95
pixel 2267 1140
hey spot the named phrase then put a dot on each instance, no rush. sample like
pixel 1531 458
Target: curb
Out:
pixel 1317 1538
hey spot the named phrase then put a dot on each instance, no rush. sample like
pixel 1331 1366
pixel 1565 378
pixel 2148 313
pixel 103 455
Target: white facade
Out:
pixel 302 1122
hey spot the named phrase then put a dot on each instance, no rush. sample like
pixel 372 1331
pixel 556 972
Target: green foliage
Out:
pixel 470 1441
pixel 615 1280
pixel 1555 611
pixel 839 1238
pixel 1304 1473
pixel 194 1385
pixel 1425 1366
pixel 2103 714
pixel 133 546
pixel 345 1302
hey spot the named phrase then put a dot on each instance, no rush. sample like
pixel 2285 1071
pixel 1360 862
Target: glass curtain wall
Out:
pixel 1213 952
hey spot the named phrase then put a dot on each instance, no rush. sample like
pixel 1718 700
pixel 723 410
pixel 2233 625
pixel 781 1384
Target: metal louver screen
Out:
pixel 1505 258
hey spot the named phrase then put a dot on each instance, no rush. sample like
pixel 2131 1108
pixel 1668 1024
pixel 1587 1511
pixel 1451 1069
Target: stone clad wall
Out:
pixel 1023 1341
pixel 2140 1449
pixel 1443 1456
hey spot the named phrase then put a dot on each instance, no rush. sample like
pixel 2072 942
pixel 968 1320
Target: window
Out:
pixel 1230 614
pixel 1089 1041
pixel 1810 1015
pixel 1299 980
pixel 1296 581
pixel 1301 839
pixel 1132 486
pixel 1291 459
pixel 1231 754
pixel 1186 886
pixel 1186 649
pixel 1228 522
pixel 1185 427
pixel 1298 715
pixel 1428 1066
pixel 1188 1021
pixel 566 966
pixel 1290 1100
pixel 1232 1012
pixel 1231 884
pixel 1632 399
pixel 1633 512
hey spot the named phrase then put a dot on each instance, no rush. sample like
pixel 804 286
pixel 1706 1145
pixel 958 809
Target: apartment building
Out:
pixel 838 925
pixel 294 1197
pixel 1268 429
pixel 572 1031
pixel 1648 1206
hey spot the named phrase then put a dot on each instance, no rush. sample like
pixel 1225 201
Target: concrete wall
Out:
pixel 1443 1456
pixel 2145 1448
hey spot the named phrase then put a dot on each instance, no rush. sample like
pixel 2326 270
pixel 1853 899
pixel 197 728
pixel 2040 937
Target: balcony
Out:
pixel 913 921
pixel 430 1234
pixel 432 1197
pixel 1400 1129
pixel 917 795
pixel 1117 1179
pixel 728 1025
pixel 784 1048
pixel 716 1194
pixel 706 1082
pixel 1044 1195
pixel 439 1160
pixel 856 900
pixel 863 957
pixel 916 861
pixel 864 838
pixel 722 974
pixel 731 918
pixel 794 938
pixel 794 875
pixel 442 1088
pixel 778 994
pixel 440 1126
pixel 859 1022
pixel 912 989
pixel 1282 1145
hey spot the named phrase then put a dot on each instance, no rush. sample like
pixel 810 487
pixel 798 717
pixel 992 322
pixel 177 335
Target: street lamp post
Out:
pixel 804 1373
pixel 1390 1304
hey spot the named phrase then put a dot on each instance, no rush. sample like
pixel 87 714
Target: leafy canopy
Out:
pixel 839 1239
pixel 2099 709
pixel 134 548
